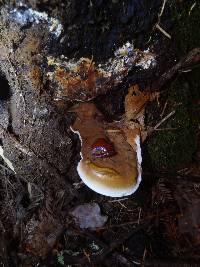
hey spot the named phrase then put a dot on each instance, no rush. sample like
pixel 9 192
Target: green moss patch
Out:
pixel 174 146
pixel 186 33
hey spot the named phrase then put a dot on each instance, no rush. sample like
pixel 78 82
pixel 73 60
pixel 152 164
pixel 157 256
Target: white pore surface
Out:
pixel 102 189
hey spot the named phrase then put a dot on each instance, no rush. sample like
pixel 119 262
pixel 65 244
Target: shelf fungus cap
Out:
pixel 109 165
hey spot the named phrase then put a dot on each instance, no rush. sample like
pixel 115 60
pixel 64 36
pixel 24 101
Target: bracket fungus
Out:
pixel 114 168
pixel 110 152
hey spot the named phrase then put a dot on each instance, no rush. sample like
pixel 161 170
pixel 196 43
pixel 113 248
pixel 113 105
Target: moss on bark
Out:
pixel 175 147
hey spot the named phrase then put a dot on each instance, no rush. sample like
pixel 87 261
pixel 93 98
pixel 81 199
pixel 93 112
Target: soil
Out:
pixel 159 224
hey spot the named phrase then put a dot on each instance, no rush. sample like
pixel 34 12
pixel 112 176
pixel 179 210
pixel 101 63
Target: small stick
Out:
pixel 159 18
pixel 118 200
pixel 165 129
pixel 189 61
pixel 139 216
pixel 87 255
pixel 122 205
pixel 164 119
pixel 163 111
pixel 192 8
pixel 144 257
pixel 162 9
pixel 132 222
pixel 155 128
pixel 163 31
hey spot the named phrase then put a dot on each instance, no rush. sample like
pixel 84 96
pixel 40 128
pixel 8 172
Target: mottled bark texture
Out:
pixel 35 136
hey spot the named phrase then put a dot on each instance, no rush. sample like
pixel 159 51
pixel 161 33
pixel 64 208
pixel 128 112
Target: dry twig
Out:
pixel 159 19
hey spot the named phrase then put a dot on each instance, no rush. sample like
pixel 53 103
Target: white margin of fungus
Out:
pixel 103 190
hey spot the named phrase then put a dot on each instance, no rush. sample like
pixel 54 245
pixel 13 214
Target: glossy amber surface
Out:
pixel 102 148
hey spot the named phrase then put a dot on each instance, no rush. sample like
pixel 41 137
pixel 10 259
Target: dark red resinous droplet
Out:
pixel 103 148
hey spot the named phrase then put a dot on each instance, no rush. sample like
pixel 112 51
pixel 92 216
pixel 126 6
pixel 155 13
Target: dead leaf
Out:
pixel 89 216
